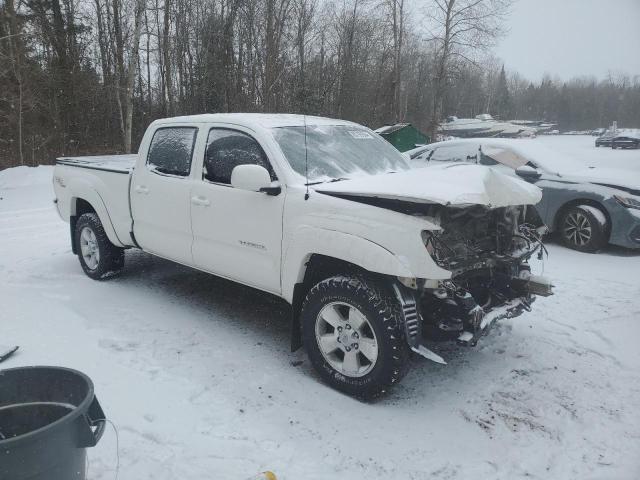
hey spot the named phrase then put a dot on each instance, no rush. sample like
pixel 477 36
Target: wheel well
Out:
pixel 79 206
pixel 575 203
pixel 318 268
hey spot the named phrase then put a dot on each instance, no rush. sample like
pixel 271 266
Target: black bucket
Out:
pixel 48 417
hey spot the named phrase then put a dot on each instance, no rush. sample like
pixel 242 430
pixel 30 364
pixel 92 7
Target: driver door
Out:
pixel 237 233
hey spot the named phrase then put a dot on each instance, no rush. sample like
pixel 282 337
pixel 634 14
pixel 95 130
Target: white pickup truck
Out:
pixel 372 256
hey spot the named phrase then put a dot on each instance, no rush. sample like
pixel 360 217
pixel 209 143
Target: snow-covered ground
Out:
pixel 197 375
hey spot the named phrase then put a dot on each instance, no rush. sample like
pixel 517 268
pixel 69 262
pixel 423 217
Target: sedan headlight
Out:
pixel 627 202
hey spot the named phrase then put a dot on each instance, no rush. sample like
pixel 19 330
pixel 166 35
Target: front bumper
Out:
pixel 511 309
pixel 454 314
pixel 625 226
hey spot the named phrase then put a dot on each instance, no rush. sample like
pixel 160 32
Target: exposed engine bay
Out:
pixel 487 252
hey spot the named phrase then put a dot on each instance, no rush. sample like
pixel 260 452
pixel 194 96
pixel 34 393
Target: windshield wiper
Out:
pixel 339 179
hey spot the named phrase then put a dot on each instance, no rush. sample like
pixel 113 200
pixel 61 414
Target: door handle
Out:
pixel 141 189
pixel 201 201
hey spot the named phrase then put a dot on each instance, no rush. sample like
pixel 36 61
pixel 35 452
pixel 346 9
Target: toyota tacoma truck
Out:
pixel 376 260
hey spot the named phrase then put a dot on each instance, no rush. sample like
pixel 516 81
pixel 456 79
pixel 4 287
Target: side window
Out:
pixel 226 149
pixel 171 150
pixel 487 160
pixel 422 155
pixel 455 153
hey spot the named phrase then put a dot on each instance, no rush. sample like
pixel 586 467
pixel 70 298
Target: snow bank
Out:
pixel 23 176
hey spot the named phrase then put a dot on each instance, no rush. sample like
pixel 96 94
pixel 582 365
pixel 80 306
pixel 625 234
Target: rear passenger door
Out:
pixel 160 194
pixel 236 233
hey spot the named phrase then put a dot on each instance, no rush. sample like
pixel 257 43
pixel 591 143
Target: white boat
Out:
pixel 483 125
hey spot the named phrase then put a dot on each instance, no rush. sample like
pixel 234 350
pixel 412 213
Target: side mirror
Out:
pixel 254 178
pixel 528 173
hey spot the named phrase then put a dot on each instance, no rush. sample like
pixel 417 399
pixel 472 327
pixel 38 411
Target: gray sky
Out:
pixel 572 38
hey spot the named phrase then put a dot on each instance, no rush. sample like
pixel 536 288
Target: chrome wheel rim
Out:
pixel 346 339
pixel 577 229
pixel 89 248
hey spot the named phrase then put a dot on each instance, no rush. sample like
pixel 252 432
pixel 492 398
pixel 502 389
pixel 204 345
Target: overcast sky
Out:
pixel 572 38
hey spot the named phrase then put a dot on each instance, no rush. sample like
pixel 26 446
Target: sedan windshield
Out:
pixel 336 152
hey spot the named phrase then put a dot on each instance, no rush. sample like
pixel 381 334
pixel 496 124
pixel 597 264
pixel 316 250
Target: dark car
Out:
pixel 604 140
pixel 625 141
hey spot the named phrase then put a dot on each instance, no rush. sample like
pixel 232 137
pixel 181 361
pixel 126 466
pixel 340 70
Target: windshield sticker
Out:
pixel 359 134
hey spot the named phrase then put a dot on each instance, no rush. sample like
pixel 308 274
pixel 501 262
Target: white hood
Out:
pixel 461 184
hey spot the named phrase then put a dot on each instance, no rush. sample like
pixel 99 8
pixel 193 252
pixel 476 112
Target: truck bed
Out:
pixel 109 163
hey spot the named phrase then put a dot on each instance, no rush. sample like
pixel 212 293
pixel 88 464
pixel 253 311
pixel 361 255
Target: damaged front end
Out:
pixel 487 252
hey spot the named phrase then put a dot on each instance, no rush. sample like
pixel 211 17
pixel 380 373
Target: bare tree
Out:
pixel 397 23
pixel 16 53
pixel 73 77
pixel 460 30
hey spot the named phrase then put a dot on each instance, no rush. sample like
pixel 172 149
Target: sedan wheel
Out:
pixel 577 229
pixel 584 228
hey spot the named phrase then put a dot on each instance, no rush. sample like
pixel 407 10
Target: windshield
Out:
pixel 338 152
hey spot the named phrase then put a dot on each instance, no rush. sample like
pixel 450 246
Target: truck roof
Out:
pixel 263 120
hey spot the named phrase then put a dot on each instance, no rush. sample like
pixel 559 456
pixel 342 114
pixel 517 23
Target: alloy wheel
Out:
pixel 577 229
pixel 89 248
pixel 346 339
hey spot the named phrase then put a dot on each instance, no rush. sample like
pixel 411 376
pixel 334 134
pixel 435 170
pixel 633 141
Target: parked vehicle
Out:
pixel 372 255
pixel 604 140
pixel 588 207
pixel 626 140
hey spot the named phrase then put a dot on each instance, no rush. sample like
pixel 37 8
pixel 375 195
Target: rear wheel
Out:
pixel 583 228
pixel 98 257
pixel 351 328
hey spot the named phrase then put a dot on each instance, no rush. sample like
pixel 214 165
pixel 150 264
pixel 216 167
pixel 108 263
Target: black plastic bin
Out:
pixel 48 417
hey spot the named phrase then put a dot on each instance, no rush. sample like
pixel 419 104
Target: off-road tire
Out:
pixel 111 259
pixel 598 235
pixel 382 310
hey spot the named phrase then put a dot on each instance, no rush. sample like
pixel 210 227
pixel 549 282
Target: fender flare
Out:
pixel 81 189
pixel 307 240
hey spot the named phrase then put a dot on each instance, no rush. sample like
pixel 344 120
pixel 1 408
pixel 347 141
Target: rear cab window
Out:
pixel 171 151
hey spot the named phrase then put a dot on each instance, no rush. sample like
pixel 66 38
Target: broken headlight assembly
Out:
pixel 627 202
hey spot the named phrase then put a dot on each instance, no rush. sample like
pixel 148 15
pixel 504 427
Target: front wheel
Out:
pixel 583 228
pixel 352 332
pixel 98 257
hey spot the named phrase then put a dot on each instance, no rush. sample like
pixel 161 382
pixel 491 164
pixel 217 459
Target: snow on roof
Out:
pixel 391 128
pixel 628 133
pixel 541 155
pixel 264 120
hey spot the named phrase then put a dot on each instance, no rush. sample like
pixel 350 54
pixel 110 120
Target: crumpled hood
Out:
pixel 459 184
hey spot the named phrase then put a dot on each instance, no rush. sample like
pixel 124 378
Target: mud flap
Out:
pixel 413 323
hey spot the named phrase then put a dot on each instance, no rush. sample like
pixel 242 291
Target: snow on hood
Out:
pixel 606 176
pixel 460 184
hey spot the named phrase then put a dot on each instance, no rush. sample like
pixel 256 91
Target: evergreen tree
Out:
pixel 503 105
